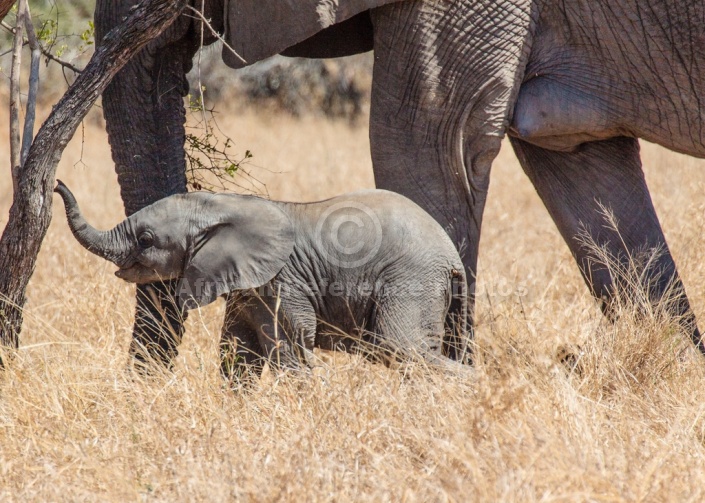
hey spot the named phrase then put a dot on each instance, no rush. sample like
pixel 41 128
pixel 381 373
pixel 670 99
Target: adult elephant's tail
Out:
pixel 456 344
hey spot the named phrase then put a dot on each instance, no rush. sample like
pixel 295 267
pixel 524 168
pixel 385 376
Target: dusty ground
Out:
pixel 75 425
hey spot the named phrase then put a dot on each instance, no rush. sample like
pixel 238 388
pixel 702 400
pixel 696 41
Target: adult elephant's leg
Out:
pixel 144 112
pixel 446 75
pixel 575 187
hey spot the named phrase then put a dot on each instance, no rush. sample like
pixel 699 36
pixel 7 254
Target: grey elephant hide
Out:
pixel 286 23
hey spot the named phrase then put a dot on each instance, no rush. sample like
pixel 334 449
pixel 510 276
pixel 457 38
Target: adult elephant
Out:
pixel 585 78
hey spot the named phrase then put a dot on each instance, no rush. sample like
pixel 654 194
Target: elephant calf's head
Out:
pixel 149 246
pixel 213 243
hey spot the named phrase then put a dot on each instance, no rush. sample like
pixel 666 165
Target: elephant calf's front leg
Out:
pixel 240 348
pixel 284 328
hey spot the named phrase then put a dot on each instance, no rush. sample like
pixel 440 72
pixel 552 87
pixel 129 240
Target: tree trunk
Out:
pixel 5 6
pixel 30 213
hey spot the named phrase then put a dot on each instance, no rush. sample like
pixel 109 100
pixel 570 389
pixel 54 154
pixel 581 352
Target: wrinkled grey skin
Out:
pixel 574 83
pixel 365 270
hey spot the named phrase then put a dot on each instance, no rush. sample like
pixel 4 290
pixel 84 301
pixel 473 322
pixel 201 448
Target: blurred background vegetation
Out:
pixel 71 15
pixel 333 88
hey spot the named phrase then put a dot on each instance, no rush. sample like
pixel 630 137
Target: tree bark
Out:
pixel 30 213
pixel 28 132
pixel 15 104
pixel 5 6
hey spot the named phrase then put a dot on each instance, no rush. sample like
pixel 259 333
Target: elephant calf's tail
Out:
pixel 456 343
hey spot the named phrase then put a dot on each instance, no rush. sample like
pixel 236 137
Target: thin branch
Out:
pixel 46 52
pixel 28 133
pixel 215 33
pixel 63 63
pixel 15 146
pixel 50 56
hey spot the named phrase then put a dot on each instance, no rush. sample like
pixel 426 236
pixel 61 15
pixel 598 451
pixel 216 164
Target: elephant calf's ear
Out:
pixel 246 248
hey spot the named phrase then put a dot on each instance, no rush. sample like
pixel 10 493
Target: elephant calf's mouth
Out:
pixel 137 273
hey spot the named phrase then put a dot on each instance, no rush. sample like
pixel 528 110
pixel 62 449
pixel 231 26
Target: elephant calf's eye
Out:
pixel 145 240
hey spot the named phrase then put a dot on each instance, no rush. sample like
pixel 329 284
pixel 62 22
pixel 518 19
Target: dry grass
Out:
pixel 75 425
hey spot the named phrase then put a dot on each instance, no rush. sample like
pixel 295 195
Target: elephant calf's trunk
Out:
pixel 102 243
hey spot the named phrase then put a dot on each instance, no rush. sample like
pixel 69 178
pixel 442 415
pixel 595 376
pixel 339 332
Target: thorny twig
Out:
pixel 63 63
pixel 219 166
pixel 210 164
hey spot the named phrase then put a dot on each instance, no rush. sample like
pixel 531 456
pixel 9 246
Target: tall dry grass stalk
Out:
pixel 76 424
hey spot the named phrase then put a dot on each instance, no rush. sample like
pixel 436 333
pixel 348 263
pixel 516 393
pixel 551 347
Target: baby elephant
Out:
pixel 369 269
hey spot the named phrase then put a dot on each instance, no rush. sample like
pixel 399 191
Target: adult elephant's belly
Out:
pixel 560 112
pixel 560 117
